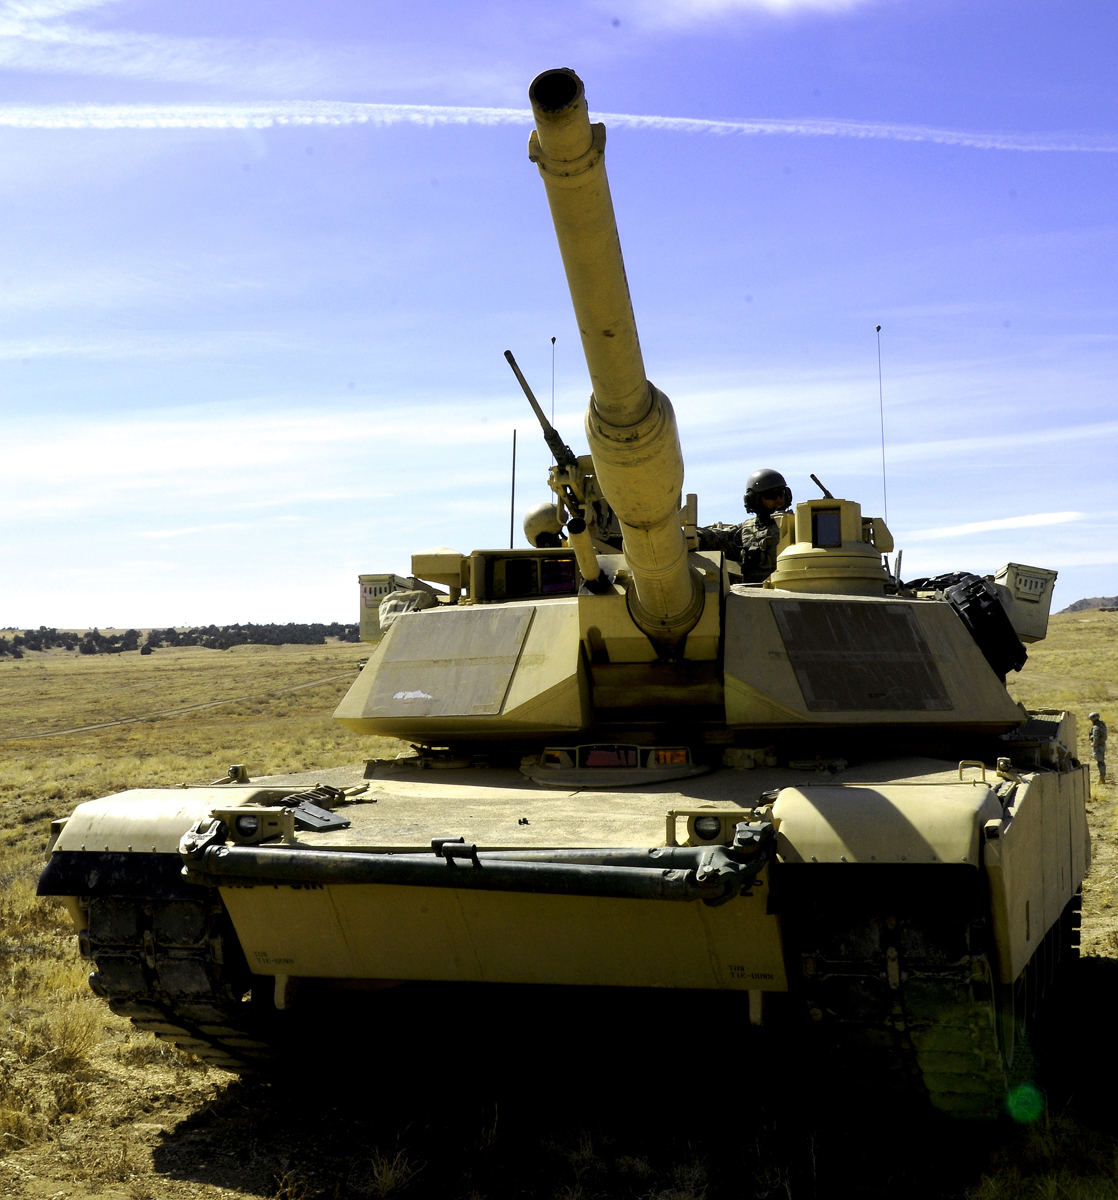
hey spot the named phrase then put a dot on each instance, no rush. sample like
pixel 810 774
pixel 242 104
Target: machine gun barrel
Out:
pixel 560 451
pixel 629 423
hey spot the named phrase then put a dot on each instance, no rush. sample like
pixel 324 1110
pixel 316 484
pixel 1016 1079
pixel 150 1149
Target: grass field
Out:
pixel 90 1107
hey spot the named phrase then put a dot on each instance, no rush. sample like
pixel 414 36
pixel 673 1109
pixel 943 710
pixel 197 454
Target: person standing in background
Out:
pixel 1098 743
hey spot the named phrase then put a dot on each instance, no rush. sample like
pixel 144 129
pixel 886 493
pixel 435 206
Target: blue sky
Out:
pixel 260 262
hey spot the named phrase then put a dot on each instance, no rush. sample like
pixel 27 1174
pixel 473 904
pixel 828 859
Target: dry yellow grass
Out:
pixel 1075 667
pixel 90 1107
pixel 63 1056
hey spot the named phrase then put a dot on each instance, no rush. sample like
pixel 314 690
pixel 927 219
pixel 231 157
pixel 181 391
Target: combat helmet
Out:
pixel 760 482
pixel 541 525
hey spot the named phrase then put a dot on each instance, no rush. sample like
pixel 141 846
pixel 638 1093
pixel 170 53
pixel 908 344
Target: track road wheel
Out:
pixel 175 969
pixel 914 999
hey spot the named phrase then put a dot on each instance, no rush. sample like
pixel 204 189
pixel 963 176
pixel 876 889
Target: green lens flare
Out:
pixel 1025 1103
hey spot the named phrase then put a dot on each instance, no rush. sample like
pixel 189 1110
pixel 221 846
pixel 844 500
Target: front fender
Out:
pixel 887 823
pixel 128 844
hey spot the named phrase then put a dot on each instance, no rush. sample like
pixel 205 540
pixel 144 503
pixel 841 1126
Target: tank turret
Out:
pixel 623 627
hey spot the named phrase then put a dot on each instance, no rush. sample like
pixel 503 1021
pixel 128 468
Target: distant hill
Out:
pixel 1094 602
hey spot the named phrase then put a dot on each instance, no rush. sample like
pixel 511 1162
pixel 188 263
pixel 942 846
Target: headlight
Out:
pixel 247 825
pixel 708 828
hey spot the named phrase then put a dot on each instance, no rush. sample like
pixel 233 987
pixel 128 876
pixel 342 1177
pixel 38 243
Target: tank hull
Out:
pixel 911 905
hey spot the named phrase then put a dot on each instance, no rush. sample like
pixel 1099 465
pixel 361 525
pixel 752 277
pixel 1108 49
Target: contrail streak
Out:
pixel 1026 522
pixel 331 112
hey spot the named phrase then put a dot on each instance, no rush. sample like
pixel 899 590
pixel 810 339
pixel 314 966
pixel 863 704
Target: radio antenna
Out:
pixel 553 386
pixel 881 410
pixel 512 501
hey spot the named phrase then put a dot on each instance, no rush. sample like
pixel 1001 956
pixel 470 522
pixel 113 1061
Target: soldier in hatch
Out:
pixel 753 543
pixel 1098 743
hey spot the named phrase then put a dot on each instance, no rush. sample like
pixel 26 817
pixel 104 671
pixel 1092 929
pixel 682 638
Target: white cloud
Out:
pixel 867 458
pixel 168 499
pixel 700 9
pixel 132 346
pixel 264 115
pixel 261 115
pixel 174 533
pixel 35 37
pixel 240 460
pixel 20 13
pixel 913 452
pixel 873 130
pixel 674 13
pixel 1084 558
pixel 713 416
pixel 1024 522
pixel 43 36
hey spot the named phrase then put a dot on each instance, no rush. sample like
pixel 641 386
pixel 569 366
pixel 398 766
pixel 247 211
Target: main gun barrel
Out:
pixel 630 424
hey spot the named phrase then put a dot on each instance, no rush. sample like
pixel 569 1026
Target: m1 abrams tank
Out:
pixel 814 797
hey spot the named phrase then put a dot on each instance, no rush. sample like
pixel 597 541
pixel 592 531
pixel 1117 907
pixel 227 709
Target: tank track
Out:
pixel 911 1002
pixel 175 968
pixel 914 1002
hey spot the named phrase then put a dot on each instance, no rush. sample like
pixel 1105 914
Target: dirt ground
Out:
pixel 683 1105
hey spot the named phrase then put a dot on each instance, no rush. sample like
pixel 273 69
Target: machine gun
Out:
pixel 562 453
pixel 591 524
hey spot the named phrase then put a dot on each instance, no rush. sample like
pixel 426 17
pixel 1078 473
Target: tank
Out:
pixel 811 802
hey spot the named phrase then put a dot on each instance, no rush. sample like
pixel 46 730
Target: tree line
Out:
pixel 212 637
